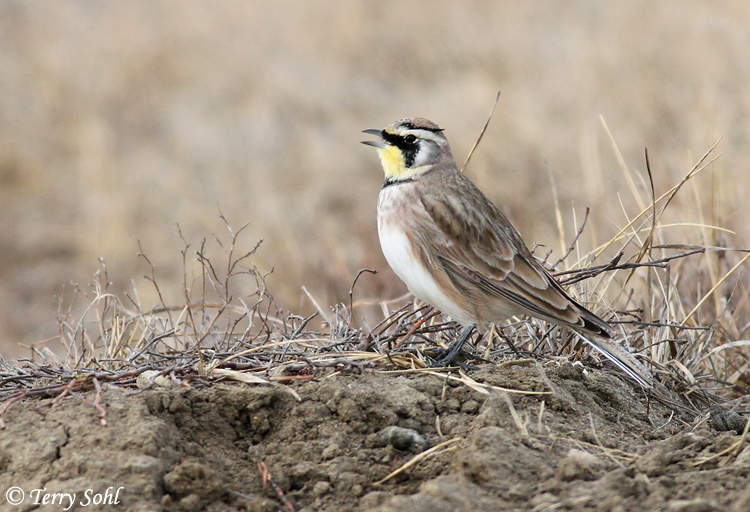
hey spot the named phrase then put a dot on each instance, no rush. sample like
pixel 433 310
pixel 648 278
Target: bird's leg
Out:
pixel 448 356
pixel 510 343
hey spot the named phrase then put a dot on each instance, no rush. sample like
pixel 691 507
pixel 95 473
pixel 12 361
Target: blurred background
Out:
pixel 121 119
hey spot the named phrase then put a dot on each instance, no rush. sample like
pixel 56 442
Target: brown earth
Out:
pixel 593 443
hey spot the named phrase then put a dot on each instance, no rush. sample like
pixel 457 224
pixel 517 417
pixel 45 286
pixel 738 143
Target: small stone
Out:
pixel 452 404
pixel 190 503
pixel 470 407
pixel 330 451
pixel 402 438
pixel 321 488
pixel 153 378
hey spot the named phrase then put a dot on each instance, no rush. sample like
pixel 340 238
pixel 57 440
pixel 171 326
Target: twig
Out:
pixel 267 479
pixel 593 271
pixel 435 450
pixel 416 326
pixel 714 288
pixel 575 240
pixel 351 288
pixel 98 404
pixel 481 134
pixel 514 414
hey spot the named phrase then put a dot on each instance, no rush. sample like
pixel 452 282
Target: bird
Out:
pixel 456 251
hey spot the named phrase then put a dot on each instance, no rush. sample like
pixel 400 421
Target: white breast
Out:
pixel 401 256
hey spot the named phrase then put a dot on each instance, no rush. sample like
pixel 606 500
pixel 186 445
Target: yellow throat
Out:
pixel 394 167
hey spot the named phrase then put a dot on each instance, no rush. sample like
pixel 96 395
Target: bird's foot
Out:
pixel 448 357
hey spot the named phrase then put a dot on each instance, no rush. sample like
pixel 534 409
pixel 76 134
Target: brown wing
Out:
pixel 484 257
pixel 483 249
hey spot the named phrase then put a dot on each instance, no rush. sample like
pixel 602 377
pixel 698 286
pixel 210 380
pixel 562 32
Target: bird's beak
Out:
pixel 374 143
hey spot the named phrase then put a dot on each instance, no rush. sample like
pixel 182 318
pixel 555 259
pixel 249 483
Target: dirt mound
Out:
pixel 579 440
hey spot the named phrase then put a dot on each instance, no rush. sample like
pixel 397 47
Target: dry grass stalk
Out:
pixel 227 322
pixel 443 447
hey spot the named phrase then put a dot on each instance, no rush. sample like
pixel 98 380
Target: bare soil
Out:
pixel 593 443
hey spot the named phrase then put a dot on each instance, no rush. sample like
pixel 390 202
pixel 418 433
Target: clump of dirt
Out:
pixel 562 439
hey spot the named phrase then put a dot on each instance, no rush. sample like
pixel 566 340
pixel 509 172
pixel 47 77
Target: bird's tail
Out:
pixel 623 359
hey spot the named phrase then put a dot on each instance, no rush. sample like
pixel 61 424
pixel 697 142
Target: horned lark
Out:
pixel 457 252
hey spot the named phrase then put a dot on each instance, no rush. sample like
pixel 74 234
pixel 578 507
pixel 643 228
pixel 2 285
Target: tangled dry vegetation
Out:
pixel 685 322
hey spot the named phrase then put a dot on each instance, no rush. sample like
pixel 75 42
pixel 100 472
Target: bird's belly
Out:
pixel 407 265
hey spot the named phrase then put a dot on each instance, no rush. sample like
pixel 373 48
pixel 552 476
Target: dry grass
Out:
pixel 123 121
pixel 120 122
pixel 219 330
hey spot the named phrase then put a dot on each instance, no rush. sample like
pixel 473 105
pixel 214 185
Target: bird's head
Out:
pixel 409 147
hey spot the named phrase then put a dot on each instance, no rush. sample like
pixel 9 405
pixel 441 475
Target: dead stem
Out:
pixel 227 320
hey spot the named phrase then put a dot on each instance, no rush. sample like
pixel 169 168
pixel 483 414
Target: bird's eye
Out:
pixel 410 139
